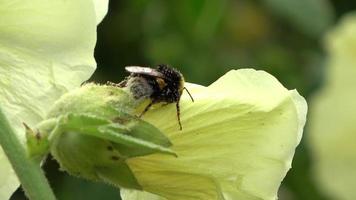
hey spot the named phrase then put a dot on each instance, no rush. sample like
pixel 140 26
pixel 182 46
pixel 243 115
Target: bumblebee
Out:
pixel 163 84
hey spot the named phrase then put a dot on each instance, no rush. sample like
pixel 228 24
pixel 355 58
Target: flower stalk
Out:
pixel 29 172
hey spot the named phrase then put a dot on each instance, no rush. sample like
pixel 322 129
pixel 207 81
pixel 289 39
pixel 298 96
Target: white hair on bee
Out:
pixel 139 87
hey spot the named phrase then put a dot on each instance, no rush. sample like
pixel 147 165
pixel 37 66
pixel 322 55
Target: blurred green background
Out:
pixel 204 39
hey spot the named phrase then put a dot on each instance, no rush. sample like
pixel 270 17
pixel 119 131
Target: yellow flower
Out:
pixel 46 49
pixel 237 142
pixel 332 125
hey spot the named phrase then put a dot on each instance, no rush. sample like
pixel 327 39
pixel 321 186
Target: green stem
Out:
pixel 28 171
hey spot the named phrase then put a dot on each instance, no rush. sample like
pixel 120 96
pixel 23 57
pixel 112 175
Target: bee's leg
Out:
pixel 178 115
pixel 111 83
pixel 122 84
pixel 146 109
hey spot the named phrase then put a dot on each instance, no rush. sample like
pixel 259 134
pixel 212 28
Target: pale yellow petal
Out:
pixel 8 181
pixel 46 49
pixel 237 142
pixel 333 116
pixel 134 194
pixel 101 8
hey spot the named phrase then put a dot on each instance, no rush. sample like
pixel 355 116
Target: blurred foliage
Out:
pixel 299 14
pixel 206 38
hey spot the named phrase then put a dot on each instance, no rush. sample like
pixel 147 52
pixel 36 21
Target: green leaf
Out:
pixel 120 176
pixel 40 59
pixel 237 142
pixel 132 138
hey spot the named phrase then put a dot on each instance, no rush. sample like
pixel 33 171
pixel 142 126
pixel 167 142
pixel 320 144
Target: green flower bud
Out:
pixel 93 130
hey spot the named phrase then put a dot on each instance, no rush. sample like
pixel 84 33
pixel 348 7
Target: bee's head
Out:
pixel 173 78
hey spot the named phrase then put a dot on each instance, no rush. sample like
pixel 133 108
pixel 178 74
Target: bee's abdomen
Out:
pixel 140 87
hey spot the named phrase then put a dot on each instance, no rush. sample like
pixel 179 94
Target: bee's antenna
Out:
pixel 189 93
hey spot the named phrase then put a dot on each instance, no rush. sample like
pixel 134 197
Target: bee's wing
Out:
pixel 144 70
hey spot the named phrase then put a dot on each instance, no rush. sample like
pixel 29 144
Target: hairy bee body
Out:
pixel 162 85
